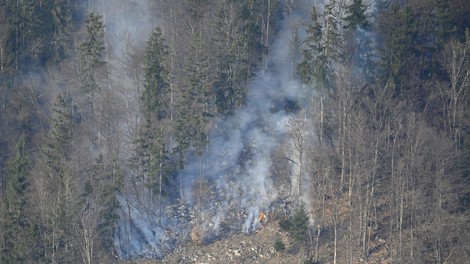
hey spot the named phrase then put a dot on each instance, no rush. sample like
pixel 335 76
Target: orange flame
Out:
pixel 262 217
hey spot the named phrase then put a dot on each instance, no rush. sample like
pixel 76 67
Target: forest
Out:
pixel 131 127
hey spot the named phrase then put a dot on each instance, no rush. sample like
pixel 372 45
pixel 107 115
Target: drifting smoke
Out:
pixel 235 164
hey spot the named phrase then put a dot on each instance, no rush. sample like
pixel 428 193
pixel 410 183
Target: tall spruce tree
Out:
pixel 95 220
pixel 398 31
pixel 92 52
pixel 311 67
pixel 60 14
pixel 332 38
pixel 356 16
pixel 16 223
pixel 198 92
pixel 60 183
pixel 23 23
pixel 194 108
pixel 231 58
pixel 152 149
pixel 156 95
pixel 358 41
pixel 444 24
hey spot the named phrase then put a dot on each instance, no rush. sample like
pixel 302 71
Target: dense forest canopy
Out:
pixel 128 127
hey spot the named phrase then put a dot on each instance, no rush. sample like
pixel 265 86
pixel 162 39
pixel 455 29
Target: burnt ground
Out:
pixel 257 247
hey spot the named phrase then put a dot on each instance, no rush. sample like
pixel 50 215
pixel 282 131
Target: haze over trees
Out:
pixel 101 112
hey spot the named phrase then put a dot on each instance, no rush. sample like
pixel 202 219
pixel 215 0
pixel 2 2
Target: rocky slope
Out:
pixel 257 247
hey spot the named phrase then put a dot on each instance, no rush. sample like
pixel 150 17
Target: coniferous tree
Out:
pixel 199 92
pixel 17 232
pixel 300 222
pixel 152 146
pixel 58 17
pixel 92 52
pixel 445 27
pixel 232 58
pixel 7 52
pixel 60 183
pixel 251 14
pixel 156 93
pixel 195 107
pixel 312 68
pixel 331 39
pixel 94 222
pixel 358 41
pixel 356 16
pixel 23 26
pixel 398 29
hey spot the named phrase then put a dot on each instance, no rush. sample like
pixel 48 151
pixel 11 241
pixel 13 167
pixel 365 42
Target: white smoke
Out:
pixel 237 160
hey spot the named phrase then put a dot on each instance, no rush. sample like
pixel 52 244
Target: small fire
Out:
pixel 262 217
pixel 196 235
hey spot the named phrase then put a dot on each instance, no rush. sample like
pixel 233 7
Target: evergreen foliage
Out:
pixel 59 178
pixel 92 52
pixel 279 245
pixel 300 221
pixel 399 47
pixel 232 59
pixel 16 233
pixel 332 38
pixel 197 96
pixel 395 132
pixel 313 67
pixel 152 150
pixel 297 225
pixel 356 16
pixel 156 95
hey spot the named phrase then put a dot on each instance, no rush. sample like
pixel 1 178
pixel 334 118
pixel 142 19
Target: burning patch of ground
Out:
pixel 257 247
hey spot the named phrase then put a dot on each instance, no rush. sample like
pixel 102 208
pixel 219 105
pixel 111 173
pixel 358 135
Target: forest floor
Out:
pixel 253 248
pixel 257 247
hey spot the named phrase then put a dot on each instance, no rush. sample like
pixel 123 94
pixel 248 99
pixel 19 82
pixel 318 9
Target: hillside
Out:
pixel 252 248
pixel 163 131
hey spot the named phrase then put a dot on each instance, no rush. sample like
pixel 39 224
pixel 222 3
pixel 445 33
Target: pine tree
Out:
pixel 252 15
pixel 95 220
pixel 199 93
pixel 196 97
pixel 358 44
pixel 156 93
pixel 195 107
pixel 24 24
pixel 156 98
pixel 312 68
pixel 232 58
pixel 59 15
pixel 17 236
pixel 299 224
pixel 59 182
pixel 356 16
pixel 152 149
pixel 331 39
pixel 60 141
pixel 399 32
pixel 445 27
pixel 92 52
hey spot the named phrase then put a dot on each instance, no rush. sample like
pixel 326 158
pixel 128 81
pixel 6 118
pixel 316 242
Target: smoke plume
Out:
pixel 233 172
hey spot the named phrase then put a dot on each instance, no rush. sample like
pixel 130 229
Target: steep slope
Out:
pixel 257 247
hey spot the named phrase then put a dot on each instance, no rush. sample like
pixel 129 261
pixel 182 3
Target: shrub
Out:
pixel 279 245
pixel 299 224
